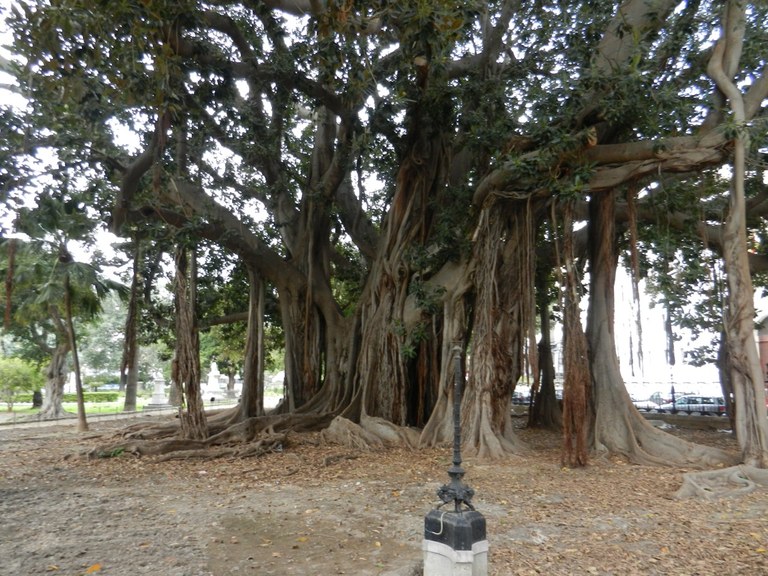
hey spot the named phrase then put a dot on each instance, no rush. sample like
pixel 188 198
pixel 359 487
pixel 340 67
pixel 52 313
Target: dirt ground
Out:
pixel 315 509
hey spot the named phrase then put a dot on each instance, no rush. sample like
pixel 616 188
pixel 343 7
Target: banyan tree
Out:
pixel 435 152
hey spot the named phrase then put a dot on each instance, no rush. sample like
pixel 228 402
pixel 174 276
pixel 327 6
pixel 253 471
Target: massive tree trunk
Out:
pixel 618 426
pixel 309 312
pixel 504 262
pixel 744 361
pixel 191 411
pixel 401 343
pixel 56 375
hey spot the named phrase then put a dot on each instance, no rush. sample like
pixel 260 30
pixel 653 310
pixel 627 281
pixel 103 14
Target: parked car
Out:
pixel 690 404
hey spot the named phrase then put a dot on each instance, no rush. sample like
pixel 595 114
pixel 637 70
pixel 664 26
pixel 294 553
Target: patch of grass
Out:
pixel 110 454
pixel 23 409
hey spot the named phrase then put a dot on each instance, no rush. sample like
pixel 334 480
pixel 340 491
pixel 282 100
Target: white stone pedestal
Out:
pixel 158 399
pixel 455 544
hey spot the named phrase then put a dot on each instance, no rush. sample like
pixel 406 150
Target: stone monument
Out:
pixel 158 399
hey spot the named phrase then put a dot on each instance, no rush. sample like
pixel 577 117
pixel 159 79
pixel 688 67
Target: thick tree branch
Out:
pixel 634 22
pixel 133 174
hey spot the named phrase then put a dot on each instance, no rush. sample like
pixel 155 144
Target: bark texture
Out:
pixel 577 386
pixel 252 397
pixel 129 365
pixel 401 339
pixel 193 424
pixel 504 260
pixel 56 378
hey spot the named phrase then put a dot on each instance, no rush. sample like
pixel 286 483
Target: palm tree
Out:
pixel 79 288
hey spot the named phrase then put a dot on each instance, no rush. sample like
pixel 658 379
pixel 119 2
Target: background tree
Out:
pixel 102 339
pixel 18 377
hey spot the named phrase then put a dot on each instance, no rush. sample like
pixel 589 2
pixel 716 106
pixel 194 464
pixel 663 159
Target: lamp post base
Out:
pixel 455 544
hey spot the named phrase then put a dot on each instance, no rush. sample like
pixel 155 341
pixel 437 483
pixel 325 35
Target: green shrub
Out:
pixel 87 397
pixel 93 397
pixel 17 378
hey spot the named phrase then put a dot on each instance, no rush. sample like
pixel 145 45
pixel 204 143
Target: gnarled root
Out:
pixel 145 448
pixel 727 482
pixel 251 437
pixel 264 445
pixel 371 434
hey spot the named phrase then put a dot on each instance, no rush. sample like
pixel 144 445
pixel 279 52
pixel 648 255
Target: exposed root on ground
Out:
pixel 154 431
pixel 48 415
pixel 370 434
pixel 251 437
pixel 144 448
pixel 481 441
pixel 723 483
pixel 265 444
pixel 633 437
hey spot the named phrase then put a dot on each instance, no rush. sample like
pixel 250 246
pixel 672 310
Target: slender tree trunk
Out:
pixel 192 416
pixel 129 366
pixel 545 409
pixel 252 397
pixel 82 423
pixel 724 370
pixel 176 393
pixel 231 383
pixel 577 385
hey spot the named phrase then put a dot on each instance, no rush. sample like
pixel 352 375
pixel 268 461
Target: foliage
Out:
pixel 16 377
pixel 95 397
pixel 102 339
pixel 110 454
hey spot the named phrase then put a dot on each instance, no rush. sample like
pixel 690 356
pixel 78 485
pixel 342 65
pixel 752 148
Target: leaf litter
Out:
pixel 323 509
